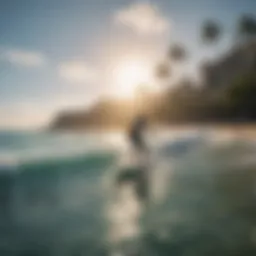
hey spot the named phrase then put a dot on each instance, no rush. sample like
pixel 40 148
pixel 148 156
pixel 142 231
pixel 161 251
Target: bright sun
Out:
pixel 129 76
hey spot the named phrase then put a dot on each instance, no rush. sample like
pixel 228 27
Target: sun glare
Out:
pixel 129 76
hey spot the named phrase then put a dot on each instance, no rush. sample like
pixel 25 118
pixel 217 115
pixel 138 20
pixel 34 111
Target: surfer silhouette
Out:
pixel 137 174
pixel 136 133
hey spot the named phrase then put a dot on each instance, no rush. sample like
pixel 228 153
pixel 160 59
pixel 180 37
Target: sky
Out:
pixel 63 54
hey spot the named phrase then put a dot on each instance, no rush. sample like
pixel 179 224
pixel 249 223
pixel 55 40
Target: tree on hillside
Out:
pixel 246 27
pixel 211 31
pixel 163 71
pixel 177 53
pixel 242 96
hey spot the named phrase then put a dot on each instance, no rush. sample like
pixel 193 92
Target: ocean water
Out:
pixel 59 195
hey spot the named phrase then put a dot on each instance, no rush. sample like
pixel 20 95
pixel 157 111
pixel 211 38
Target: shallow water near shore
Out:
pixel 58 195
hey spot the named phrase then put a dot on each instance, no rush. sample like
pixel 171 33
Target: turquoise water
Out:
pixel 58 195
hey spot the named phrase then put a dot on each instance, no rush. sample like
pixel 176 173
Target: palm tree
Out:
pixel 177 53
pixel 211 31
pixel 163 71
pixel 246 27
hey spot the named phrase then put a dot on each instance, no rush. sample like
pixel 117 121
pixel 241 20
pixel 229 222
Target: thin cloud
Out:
pixel 24 58
pixel 77 72
pixel 143 18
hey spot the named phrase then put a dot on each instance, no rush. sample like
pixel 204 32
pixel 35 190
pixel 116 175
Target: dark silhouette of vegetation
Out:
pixel 211 31
pixel 242 97
pixel 177 53
pixel 246 27
pixel 228 93
pixel 163 71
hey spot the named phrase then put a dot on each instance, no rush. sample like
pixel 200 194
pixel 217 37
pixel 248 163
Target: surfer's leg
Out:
pixel 142 185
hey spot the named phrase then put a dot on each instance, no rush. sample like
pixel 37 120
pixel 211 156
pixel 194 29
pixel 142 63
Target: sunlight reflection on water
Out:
pixel 202 190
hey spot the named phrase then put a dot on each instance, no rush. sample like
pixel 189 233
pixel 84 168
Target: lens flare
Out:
pixel 129 76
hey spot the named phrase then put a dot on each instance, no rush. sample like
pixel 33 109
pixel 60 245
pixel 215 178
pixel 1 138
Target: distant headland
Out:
pixel 228 94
